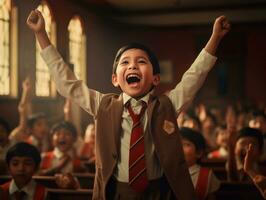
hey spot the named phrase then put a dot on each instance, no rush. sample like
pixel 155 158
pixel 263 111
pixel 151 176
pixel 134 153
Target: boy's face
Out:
pixel 63 140
pixel 222 138
pixel 242 146
pixel 40 128
pixel 134 73
pixel 22 169
pixel 191 155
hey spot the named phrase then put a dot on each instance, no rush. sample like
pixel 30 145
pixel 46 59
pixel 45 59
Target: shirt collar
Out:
pixel 29 189
pixel 127 98
pixel 59 154
pixel 194 169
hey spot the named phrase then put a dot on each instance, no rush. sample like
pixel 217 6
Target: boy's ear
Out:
pixel 114 80
pixel 156 79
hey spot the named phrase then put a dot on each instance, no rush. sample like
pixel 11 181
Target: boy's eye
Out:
pixel 142 61
pixel 124 62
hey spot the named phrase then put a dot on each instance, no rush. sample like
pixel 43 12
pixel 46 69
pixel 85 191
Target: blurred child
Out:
pixel 258 179
pixel 88 149
pixel 32 128
pixel 63 158
pixel 221 141
pixel 237 152
pixel 258 121
pixel 208 129
pixel 191 121
pixel 23 161
pixel 204 181
pixel 38 131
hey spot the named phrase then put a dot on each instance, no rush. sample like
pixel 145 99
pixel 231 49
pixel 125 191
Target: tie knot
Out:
pixel 136 117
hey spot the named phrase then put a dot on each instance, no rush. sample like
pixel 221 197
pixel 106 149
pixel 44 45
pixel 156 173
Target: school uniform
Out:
pixel 219 153
pixel 31 191
pixel 52 158
pixel 204 181
pixel 113 126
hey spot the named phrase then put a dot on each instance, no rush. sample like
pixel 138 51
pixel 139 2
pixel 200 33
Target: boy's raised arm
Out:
pixel 36 23
pixel 221 27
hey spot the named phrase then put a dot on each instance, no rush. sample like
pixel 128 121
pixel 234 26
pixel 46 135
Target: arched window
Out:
pixel 77 47
pixel 44 86
pixel 5 14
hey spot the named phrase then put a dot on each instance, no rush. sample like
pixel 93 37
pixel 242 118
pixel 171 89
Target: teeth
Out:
pixel 133 75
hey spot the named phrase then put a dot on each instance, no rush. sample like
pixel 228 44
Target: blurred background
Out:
pixel 88 33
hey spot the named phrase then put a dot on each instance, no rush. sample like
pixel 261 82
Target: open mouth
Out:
pixel 133 78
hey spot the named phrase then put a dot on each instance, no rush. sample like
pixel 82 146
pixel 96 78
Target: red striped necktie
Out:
pixel 138 179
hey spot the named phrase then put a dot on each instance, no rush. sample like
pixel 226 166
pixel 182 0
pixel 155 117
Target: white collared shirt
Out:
pixel 76 90
pixel 213 182
pixel 58 155
pixel 29 190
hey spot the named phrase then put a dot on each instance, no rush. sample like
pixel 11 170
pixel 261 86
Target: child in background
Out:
pixel 208 128
pixel 222 141
pixel 23 161
pixel 204 181
pixel 38 131
pixel 191 121
pixel 152 172
pixel 32 128
pixel 237 152
pixel 258 179
pixel 88 149
pixel 63 158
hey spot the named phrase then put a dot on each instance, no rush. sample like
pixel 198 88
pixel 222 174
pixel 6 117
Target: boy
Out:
pixel 204 181
pixel 222 142
pixel 237 152
pixel 63 158
pixel 23 161
pixel 125 168
pixel 32 128
pixel 258 179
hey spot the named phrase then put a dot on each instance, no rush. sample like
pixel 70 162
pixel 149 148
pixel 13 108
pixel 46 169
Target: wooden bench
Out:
pixel 86 180
pixel 64 194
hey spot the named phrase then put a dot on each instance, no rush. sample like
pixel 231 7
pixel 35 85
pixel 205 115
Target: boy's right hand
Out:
pixel 35 21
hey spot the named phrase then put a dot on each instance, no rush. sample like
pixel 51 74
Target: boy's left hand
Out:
pixel 221 27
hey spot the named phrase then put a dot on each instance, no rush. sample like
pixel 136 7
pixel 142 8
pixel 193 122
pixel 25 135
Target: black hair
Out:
pixel 64 125
pixel 251 132
pixel 34 117
pixel 153 59
pixel 194 117
pixel 195 137
pixel 259 113
pixel 23 149
pixel 5 125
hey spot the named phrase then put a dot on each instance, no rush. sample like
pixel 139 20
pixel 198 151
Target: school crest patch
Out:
pixel 168 127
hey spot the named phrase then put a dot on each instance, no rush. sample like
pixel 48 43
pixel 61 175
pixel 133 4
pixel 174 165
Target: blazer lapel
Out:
pixel 117 118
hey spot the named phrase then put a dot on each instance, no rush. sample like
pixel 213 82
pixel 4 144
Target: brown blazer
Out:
pixel 162 126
